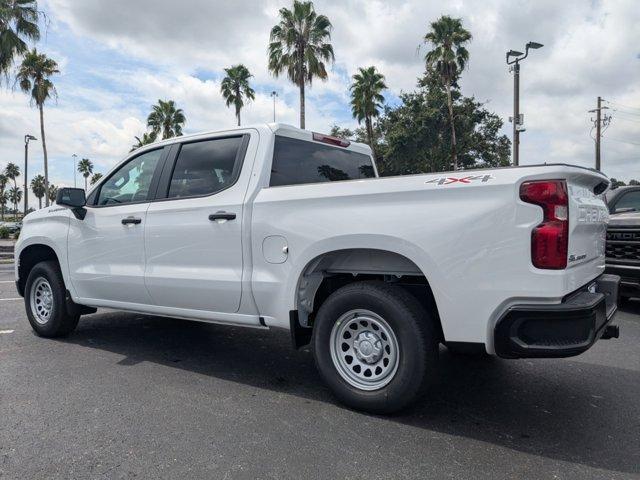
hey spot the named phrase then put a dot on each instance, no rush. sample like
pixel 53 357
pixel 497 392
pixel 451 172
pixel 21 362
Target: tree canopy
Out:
pixel 413 137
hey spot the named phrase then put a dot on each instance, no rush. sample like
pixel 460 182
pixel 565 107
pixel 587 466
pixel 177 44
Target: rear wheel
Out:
pixel 45 301
pixel 375 346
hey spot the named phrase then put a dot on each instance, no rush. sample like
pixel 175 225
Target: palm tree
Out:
pixel 15 195
pixel 366 98
pixel 33 77
pixel 4 198
pixel 12 171
pixel 85 167
pixel 166 118
pixel 53 193
pixel 448 58
pixel 18 23
pixel 95 178
pixel 235 86
pixel 298 45
pixel 37 187
pixel 146 139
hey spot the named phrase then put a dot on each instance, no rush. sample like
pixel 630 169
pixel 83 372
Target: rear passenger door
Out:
pixel 193 237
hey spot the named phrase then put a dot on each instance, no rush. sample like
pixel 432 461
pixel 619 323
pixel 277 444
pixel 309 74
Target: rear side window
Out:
pixel 297 162
pixel 207 167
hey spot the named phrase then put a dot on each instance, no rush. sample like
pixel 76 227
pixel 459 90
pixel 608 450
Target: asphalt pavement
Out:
pixel 130 396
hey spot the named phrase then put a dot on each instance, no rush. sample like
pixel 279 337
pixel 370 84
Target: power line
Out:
pixel 625 113
pixel 623 105
pixel 626 119
pixel 623 141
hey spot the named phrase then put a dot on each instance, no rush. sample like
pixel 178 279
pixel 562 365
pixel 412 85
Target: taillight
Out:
pixel 550 239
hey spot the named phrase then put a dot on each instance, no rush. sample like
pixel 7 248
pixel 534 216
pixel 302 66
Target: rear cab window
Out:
pixel 297 162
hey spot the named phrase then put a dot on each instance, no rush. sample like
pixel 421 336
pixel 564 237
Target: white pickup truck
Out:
pixel 272 226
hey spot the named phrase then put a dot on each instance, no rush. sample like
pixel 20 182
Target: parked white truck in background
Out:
pixel 272 226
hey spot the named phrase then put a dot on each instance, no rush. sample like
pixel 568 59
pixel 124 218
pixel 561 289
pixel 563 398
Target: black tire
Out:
pixel 416 340
pixel 59 323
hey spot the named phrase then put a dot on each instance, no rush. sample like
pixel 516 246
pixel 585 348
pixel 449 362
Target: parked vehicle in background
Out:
pixel 273 226
pixel 12 227
pixel 623 238
pixel 623 250
pixel 623 199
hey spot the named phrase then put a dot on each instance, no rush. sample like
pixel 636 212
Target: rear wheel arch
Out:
pixel 332 270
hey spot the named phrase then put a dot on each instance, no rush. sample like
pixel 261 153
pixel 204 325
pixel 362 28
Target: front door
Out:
pixel 106 248
pixel 194 237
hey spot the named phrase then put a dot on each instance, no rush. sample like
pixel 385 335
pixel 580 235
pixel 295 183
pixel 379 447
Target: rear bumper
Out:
pixel 629 278
pixel 561 330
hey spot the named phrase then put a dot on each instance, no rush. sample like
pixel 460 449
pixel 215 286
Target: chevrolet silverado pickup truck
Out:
pixel 276 227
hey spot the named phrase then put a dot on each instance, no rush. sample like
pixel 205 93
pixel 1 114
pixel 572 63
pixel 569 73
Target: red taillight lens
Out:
pixel 550 239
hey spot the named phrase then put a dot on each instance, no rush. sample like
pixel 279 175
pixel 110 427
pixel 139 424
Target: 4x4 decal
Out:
pixel 467 179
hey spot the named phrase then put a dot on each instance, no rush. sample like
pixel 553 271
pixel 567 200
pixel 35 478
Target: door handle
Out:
pixel 131 221
pixel 222 216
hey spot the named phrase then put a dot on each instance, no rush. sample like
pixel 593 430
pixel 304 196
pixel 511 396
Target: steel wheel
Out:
pixel 364 349
pixel 41 300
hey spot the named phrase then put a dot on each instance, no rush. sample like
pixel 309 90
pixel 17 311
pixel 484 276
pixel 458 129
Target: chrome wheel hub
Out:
pixel 364 349
pixel 41 300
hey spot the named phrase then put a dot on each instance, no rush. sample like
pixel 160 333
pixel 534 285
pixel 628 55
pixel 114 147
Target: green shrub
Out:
pixel 4 232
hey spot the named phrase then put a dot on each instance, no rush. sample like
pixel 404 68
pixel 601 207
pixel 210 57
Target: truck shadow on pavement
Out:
pixel 576 411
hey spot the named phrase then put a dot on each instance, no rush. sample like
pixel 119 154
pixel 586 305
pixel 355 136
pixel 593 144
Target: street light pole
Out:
pixel 518 121
pixel 74 170
pixel 274 94
pixel 516 113
pixel 26 184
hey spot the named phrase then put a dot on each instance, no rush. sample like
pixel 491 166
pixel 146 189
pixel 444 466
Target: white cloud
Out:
pixel 591 49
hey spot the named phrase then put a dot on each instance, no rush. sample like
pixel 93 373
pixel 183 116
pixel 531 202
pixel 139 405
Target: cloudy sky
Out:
pixel 118 57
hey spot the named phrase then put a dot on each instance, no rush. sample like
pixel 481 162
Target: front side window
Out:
pixel 297 161
pixel 629 200
pixel 131 182
pixel 206 167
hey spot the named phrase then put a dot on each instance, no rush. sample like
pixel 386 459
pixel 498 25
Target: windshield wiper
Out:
pixel 625 210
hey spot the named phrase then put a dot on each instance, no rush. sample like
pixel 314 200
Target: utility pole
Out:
pixel 599 122
pixel 517 119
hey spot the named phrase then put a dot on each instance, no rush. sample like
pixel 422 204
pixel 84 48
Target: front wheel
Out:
pixel 44 300
pixel 374 345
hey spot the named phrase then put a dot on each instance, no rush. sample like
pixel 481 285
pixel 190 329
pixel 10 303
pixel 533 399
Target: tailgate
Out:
pixel 588 218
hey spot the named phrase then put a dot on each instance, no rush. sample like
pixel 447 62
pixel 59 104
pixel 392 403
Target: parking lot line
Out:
pixel 6 331
pixel 9 299
pixel 7 281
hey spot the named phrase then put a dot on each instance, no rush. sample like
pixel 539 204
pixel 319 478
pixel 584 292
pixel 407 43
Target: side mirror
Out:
pixel 73 198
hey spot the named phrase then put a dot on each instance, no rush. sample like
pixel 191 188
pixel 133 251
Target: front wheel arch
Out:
pixel 29 258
